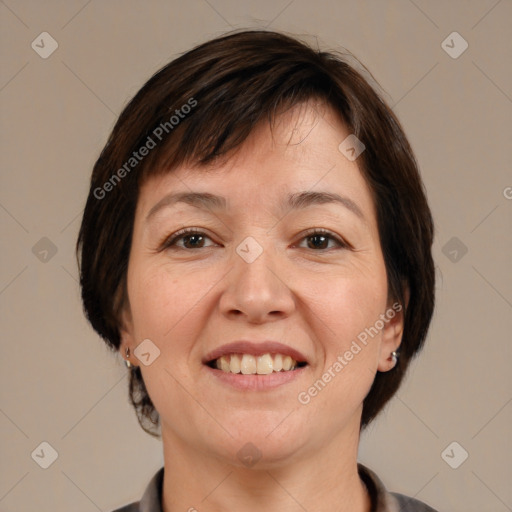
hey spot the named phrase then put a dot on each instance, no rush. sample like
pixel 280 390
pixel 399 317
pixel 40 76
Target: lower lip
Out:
pixel 256 382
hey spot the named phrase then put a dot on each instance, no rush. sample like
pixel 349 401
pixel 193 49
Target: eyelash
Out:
pixel 171 241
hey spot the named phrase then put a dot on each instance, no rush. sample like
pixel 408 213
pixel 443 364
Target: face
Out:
pixel 270 269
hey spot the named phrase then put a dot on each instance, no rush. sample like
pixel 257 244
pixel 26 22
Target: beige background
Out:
pixel 62 386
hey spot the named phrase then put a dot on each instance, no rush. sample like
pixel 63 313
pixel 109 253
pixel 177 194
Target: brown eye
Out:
pixel 192 239
pixel 195 240
pixel 319 240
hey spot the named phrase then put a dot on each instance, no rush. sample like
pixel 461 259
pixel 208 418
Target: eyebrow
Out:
pixel 296 201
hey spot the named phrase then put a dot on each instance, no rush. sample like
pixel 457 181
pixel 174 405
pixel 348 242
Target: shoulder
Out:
pixel 152 498
pixel 385 501
pixel 133 507
pixel 408 504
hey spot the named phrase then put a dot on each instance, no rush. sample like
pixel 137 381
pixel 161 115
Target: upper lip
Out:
pixel 256 349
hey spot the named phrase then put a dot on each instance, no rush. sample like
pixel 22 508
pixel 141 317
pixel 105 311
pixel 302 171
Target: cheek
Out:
pixel 163 308
pixel 160 298
pixel 349 343
pixel 348 340
pixel 347 305
pixel 344 376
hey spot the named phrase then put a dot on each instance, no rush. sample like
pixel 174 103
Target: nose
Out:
pixel 258 291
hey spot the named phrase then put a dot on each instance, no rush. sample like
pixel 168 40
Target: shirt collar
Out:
pixel 381 499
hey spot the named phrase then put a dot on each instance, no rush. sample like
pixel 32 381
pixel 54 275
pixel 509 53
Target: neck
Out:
pixel 326 479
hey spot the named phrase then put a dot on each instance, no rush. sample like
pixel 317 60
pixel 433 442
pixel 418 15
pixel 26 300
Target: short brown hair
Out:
pixel 229 85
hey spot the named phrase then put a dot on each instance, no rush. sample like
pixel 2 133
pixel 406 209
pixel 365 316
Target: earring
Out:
pixel 127 362
pixel 394 357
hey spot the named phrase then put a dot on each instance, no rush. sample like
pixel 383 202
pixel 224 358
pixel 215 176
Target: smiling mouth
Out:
pixel 247 364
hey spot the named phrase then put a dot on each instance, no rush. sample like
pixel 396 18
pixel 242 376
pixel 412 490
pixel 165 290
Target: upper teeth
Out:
pixel 261 365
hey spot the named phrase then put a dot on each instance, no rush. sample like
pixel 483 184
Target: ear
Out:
pixel 127 335
pixel 392 333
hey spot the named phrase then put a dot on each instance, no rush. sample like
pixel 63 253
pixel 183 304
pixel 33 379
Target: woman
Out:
pixel 257 245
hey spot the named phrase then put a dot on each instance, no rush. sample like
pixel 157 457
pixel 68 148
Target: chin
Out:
pixel 265 447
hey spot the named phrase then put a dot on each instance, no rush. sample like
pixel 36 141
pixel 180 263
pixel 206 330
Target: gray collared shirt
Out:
pixel 381 499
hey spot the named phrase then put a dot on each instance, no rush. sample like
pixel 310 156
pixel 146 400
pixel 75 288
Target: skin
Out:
pixel 305 292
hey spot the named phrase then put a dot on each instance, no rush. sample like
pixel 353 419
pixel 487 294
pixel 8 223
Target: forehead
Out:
pixel 299 152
